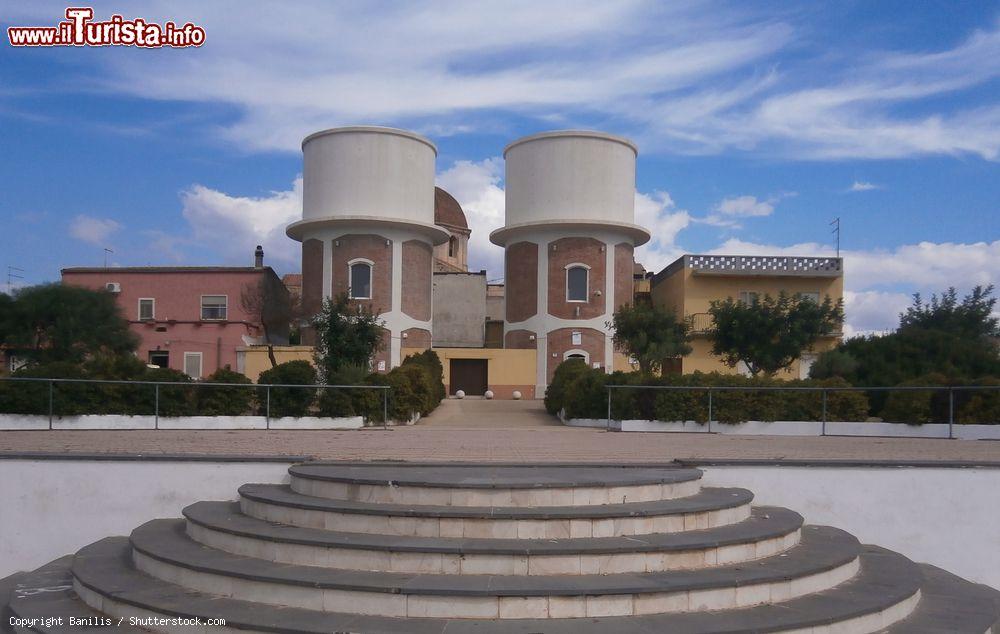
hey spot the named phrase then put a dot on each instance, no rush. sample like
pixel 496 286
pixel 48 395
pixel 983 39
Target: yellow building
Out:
pixel 692 282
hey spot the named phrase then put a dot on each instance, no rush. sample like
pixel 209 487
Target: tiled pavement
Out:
pixel 538 444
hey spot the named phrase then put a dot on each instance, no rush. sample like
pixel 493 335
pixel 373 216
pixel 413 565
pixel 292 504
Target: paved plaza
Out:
pixel 500 431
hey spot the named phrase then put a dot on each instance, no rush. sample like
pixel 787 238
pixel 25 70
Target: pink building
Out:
pixel 187 318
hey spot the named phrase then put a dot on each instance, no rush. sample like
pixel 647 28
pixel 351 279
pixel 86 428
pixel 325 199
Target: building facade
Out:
pixel 368 229
pixel 688 286
pixel 189 319
pixel 569 237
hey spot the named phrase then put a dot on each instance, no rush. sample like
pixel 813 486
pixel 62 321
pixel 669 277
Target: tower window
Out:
pixel 577 283
pixel 453 247
pixel 361 279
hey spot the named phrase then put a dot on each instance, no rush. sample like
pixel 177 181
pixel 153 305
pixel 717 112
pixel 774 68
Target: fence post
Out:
pixel 385 409
pixel 156 408
pixel 607 427
pixel 823 430
pixel 51 388
pixel 267 410
pixel 709 410
pixel 951 413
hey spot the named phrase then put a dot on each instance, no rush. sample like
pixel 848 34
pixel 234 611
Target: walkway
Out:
pixel 532 444
pixel 479 413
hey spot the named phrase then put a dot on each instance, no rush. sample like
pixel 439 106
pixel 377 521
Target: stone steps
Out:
pixel 885 590
pixel 825 558
pixel 221 525
pixel 502 486
pixel 708 508
pixel 549 549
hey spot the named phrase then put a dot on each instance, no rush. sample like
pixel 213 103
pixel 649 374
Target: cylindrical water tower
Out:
pixel 569 237
pixel 368 229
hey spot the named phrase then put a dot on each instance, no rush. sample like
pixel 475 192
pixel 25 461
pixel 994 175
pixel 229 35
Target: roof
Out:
pixel 447 211
pixel 164 269
pixel 292 279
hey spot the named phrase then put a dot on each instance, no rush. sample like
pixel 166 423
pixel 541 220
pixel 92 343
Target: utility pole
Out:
pixel 106 252
pixel 13 273
pixel 836 230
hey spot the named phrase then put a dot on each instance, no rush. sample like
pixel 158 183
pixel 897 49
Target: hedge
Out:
pixel 582 393
pixel 287 401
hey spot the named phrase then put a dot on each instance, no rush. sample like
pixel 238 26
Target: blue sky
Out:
pixel 757 123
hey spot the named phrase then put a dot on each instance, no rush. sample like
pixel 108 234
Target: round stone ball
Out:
pixel 460 394
pixel 488 395
pixel 516 395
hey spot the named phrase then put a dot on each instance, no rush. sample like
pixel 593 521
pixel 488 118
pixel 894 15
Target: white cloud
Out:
pixel 658 213
pixel 95 231
pixel 745 207
pixel 476 187
pixel 233 225
pixel 863 186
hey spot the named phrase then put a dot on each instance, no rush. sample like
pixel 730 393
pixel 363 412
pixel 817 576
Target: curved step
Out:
pixel 489 485
pixel 221 525
pixel 825 558
pixel 885 590
pixel 708 508
pixel 950 604
pixel 46 594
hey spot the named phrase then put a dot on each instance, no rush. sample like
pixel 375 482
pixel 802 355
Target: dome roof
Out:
pixel 447 211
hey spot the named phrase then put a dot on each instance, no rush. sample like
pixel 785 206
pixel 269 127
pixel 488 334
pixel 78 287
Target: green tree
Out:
pixel 770 334
pixel 269 303
pixel 53 322
pixel 650 334
pixel 347 334
pixel 972 317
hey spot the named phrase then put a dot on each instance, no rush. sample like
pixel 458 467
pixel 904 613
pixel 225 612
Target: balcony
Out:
pixel 765 265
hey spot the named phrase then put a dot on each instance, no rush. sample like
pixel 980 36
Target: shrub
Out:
pixel 917 407
pixel 565 373
pixel 288 401
pixel 337 403
pixel 588 395
pixel 225 401
pixel 429 360
pixel 980 406
pixel 32 397
pixel 175 400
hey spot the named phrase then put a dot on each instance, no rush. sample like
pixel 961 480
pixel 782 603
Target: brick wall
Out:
pixel 312 277
pixel 521 280
pixel 568 251
pixel 623 274
pixel 520 339
pixel 370 247
pixel 561 340
pixel 417 338
pixel 417 279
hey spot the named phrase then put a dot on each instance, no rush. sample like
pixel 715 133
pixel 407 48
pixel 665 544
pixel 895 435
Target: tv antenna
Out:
pixel 13 273
pixel 836 230
pixel 107 251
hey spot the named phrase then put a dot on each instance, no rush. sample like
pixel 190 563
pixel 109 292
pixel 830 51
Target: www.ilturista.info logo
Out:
pixel 79 29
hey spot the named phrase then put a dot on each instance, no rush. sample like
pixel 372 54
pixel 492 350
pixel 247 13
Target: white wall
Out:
pixel 368 171
pixel 51 508
pixel 798 428
pixel 570 176
pixel 946 517
pixel 111 421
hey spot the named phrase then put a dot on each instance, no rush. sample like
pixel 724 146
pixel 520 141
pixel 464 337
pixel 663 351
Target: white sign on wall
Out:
pixel 577 339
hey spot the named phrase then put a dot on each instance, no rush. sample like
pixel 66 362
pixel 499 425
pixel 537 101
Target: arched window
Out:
pixel 577 282
pixel 360 279
pixel 453 247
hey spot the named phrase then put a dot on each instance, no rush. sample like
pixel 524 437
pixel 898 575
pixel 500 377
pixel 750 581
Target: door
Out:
pixel 468 375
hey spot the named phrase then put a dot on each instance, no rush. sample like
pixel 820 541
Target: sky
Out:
pixel 757 124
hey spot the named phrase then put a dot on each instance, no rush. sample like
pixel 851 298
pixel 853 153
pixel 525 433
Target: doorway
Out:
pixel 469 375
pixel 159 358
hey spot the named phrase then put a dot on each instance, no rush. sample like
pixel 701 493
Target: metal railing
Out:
pixel 158 386
pixel 824 391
